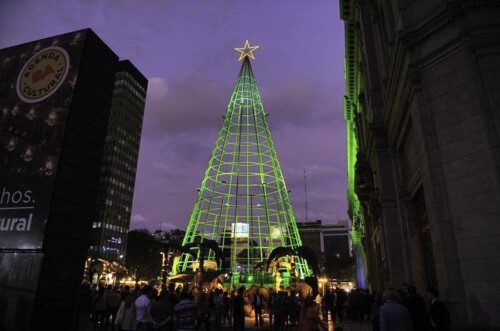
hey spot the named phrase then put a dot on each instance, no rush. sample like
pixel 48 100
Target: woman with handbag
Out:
pixel 126 316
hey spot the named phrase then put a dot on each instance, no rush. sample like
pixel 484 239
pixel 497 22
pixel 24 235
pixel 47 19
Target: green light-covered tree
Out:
pixel 243 202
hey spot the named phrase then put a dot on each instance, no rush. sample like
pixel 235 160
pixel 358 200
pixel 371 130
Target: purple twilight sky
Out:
pixel 186 50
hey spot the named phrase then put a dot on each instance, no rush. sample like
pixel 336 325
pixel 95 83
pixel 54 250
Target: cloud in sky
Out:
pixel 193 102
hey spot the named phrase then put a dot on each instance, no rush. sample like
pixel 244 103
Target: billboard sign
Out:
pixel 36 90
pixel 42 74
pixel 239 230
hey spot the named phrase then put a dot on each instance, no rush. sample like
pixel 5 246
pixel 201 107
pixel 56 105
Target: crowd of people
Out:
pixel 169 308
pixel 176 309
pixel 396 310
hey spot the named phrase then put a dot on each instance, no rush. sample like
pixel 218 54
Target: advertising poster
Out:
pixel 36 91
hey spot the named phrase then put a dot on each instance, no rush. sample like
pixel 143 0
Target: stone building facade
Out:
pixel 423 123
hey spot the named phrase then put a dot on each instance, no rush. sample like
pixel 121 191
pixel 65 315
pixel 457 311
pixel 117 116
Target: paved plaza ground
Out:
pixel 346 326
pixel 250 326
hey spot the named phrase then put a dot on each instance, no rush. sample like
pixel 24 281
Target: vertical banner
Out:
pixel 36 90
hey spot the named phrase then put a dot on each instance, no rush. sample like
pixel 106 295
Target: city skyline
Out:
pixel 186 50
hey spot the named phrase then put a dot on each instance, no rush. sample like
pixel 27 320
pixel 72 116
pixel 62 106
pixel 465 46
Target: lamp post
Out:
pixel 163 269
pixel 250 241
pixel 322 284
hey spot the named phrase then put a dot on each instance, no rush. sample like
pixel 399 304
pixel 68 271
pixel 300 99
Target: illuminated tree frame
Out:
pixel 243 202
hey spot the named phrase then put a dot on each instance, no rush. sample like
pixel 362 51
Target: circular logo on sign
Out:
pixel 42 75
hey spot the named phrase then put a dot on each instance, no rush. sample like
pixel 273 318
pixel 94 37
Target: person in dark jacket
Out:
pixel 257 303
pixel 375 311
pixel 161 312
pixel 330 304
pixel 393 315
pixel 440 320
pixel 418 309
pixel 239 310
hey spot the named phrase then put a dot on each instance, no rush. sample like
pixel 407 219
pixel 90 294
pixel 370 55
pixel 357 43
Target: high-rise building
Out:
pixel 336 241
pixel 121 151
pixel 56 96
pixel 326 240
pixel 311 234
pixel 423 127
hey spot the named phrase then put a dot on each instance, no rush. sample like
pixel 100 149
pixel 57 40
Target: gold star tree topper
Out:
pixel 246 50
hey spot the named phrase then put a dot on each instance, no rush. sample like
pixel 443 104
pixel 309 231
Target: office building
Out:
pixel 311 234
pixel 55 100
pixel 326 240
pixel 336 240
pixel 121 151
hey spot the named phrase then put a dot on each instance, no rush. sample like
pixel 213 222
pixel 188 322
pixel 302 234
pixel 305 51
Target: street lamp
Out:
pixel 163 269
pixel 322 284
pixel 250 244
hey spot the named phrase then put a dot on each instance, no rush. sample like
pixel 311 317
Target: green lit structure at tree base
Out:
pixel 243 212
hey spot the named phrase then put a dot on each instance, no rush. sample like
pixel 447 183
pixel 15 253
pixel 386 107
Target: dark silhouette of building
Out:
pixel 421 105
pixel 312 237
pixel 56 96
pixel 326 240
pixel 336 241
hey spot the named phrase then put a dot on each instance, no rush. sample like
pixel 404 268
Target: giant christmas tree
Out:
pixel 243 203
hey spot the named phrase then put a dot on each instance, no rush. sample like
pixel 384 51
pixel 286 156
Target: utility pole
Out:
pixel 305 191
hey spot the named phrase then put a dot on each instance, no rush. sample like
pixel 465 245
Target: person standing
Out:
pixel 440 320
pixel 393 315
pixel 99 307
pixel 309 319
pixel 257 303
pixel 273 297
pixel 340 299
pixel 93 296
pixel 84 306
pixel 218 309
pixel 172 295
pixel 203 315
pixel 185 312
pixel 126 318
pixel 113 304
pixel 375 311
pixel 161 312
pixel 143 309
pixel 324 309
pixel 239 310
pixel 417 309
pixel 330 304
pixel 280 311
pixel 226 304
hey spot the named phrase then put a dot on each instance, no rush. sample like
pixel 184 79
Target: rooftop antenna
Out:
pixel 305 190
